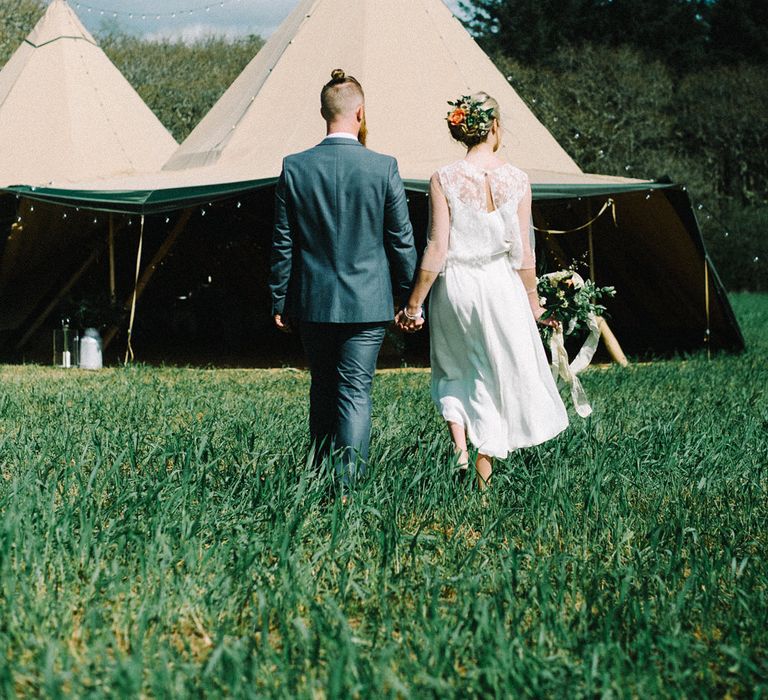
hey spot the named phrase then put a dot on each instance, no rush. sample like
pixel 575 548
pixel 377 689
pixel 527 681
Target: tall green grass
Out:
pixel 162 536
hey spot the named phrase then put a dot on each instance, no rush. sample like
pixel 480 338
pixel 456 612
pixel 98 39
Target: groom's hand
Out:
pixel 282 325
pixel 408 325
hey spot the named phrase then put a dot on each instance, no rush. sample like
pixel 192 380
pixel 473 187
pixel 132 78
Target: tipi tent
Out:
pixel 65 112
pixel 411 57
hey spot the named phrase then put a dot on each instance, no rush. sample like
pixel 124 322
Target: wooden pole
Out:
pixel 591 243
pixel 112 286
pixel 40 320
pixel 149 271
pixel 611 344
pixel 708 334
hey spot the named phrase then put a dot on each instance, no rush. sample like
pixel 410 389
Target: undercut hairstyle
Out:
pixel 340 96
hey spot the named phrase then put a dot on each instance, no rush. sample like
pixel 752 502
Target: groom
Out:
pixel 342 247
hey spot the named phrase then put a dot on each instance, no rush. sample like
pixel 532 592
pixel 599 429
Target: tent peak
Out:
pixel 59 22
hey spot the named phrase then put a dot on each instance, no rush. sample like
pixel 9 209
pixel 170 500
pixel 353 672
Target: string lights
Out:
pixel 167 219
pixel 144 16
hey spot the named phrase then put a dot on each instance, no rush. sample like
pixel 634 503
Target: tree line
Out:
pixel 675 88
pixel 685 34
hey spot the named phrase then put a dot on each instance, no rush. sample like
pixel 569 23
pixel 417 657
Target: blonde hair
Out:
pixel 341 95
pixel 472 137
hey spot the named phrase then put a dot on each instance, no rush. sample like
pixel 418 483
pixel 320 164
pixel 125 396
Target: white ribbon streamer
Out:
pixel 563 370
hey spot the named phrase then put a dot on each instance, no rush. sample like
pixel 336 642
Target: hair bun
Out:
pixel 338 74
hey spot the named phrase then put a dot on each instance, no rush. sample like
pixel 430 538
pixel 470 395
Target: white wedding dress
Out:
pixel 489 370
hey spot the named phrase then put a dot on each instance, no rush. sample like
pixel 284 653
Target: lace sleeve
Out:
pixel 439 228
pixel 525 226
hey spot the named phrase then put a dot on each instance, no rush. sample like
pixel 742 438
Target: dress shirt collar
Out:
pixel 341 135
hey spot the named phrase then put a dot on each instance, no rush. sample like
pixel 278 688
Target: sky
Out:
pixel 189 19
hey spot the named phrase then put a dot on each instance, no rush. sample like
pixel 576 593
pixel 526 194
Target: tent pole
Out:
pixel 708 334
pixel 612 344
pixel 591 242
pixel 112 287
pixel 149 270
pixel 62 293
pixel 132 317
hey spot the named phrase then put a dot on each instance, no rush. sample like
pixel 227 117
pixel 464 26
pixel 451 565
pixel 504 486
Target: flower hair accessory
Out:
pixel 468 114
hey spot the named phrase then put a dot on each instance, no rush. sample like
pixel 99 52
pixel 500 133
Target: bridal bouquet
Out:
pixel 571 300
pixel 575 303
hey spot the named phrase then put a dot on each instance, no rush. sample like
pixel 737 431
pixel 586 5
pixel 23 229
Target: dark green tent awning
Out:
pixel 139 201
pixel 566 191
pixel 155 201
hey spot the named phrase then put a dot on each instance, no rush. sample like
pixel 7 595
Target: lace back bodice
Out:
pixel 465 183
pixel 477 235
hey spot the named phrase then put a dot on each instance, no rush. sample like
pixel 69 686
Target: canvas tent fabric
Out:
pixel 411 56
pixel 67 113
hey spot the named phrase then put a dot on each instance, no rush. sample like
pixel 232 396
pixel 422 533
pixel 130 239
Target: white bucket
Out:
pixel 90 350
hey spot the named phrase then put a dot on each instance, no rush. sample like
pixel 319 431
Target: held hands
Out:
pixel 412 320
pixel 409 320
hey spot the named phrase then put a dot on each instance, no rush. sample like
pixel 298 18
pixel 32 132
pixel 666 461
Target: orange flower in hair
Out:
pixel 468 114
pixel 458 116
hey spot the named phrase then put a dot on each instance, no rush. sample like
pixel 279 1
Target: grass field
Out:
pixel 160 536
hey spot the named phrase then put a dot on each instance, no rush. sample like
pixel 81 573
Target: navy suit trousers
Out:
pixel 342 361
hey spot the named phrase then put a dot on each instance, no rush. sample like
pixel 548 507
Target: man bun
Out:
pixel 341 95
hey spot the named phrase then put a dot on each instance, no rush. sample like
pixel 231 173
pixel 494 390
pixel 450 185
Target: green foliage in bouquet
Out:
pixel 569 299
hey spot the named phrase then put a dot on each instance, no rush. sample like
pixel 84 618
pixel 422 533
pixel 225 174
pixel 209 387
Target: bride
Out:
pixel 490 376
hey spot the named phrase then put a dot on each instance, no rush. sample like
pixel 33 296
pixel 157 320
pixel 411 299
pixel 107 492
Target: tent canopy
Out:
pixel 66 112
pixel 411 56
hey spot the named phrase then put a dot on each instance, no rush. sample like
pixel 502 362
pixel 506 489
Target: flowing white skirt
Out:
pixel 489 369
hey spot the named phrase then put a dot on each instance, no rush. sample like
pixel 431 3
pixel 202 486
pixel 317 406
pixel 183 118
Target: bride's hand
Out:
pixel 551 321
pixel 406 324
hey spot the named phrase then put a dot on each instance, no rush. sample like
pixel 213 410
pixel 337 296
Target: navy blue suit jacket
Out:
pixel 342 246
